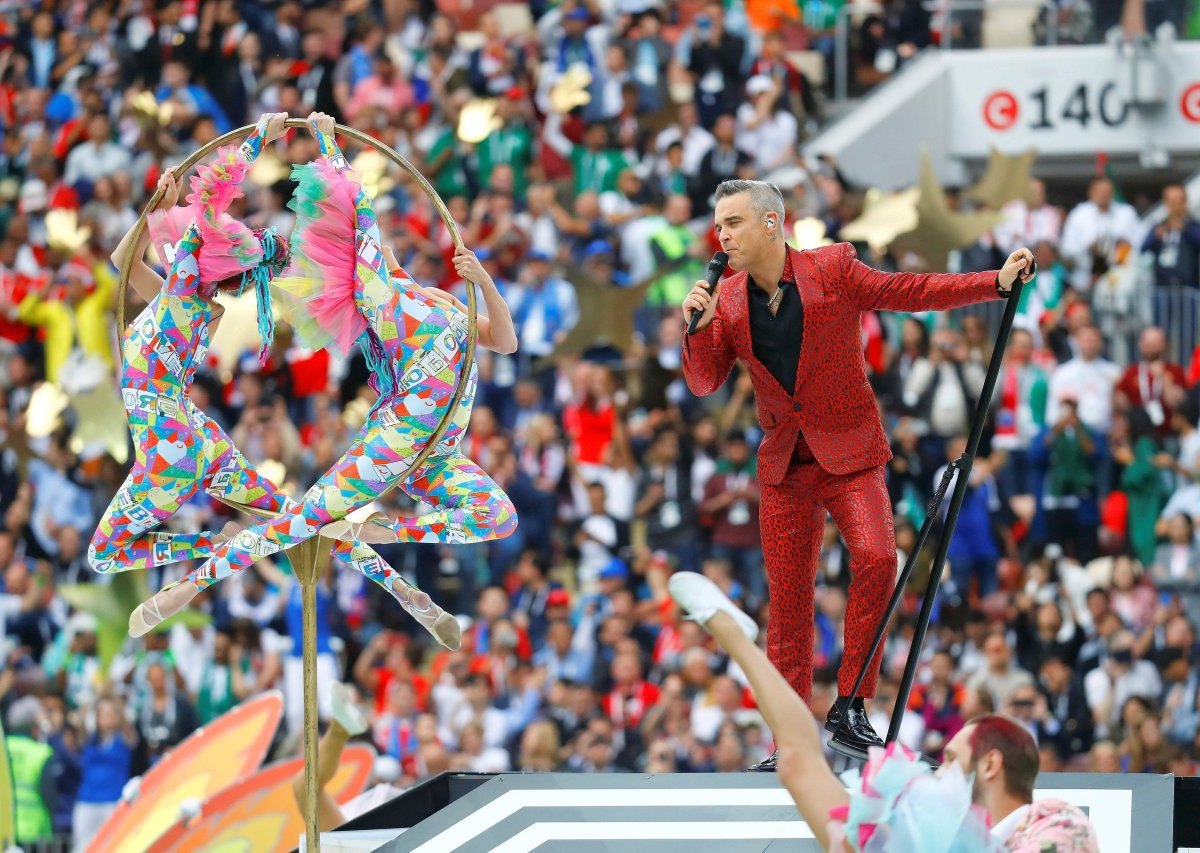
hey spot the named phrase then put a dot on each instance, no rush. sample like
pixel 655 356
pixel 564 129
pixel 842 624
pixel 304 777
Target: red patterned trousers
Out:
pixel 792 519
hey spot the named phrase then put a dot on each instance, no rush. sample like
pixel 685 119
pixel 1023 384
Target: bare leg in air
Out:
pixel 802 766
pixel 347 722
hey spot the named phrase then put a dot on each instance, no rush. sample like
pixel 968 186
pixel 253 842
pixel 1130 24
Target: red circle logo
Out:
pixel 1001 110
pixel 1189 103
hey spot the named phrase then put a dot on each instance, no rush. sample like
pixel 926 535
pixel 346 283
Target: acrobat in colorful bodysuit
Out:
pixel 179 449
pixel 415 348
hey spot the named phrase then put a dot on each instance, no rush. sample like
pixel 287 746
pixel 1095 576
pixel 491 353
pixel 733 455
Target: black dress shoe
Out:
pixel 855 736
pixel 767 765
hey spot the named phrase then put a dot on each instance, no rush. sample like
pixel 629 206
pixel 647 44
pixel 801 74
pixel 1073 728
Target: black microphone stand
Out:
pixel 962 465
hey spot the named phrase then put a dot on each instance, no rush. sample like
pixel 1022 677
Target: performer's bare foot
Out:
pixel 161 606
pixel 375 530
pixel 443 626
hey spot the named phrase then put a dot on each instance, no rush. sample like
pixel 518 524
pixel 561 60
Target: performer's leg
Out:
pixel 126 537
pixel 329 754
pixel 859 504
pixel 468 505
pixel 372 464
pixel 802 766
pixel 230 476
pixel 237 481
pixel 348 721
pixel 792 526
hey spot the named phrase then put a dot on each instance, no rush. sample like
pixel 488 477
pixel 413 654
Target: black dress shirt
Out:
pixel 776 338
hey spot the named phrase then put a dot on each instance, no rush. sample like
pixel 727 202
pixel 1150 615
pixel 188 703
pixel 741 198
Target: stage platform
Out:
pixel 703 813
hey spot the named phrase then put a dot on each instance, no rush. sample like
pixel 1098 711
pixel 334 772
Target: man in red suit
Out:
pixel 793 318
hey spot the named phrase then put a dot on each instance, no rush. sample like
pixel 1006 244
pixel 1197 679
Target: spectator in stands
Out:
pixel 939 703
pixel 165 716
pixel 73 310
pixel 715 63
pixel 940 391
pixel 107 762
pixel 730 511
pixel 665 500
pixel 1029 224
pixel 96 158
pixel 1093 229
pixel 1089 379
pixel 726 159
pixel 1142 480
pixel 1063 718
pixel 1152 381
pixel 1020 406
pixel 1174 243
pixel 973 549
pixel 34 774
pixel 544 308
pixel 649 55
pixel 1178 559
pixel 1120 677
pixel 193 100
pixel 675 245
pixel 1000 676
pixel 766 129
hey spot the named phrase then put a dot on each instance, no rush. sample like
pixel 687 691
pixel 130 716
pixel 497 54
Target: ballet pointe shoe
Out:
pixel 444 627
pixel 161 606
pixel 375 530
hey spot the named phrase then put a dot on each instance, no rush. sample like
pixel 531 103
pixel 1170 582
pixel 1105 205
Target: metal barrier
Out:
pixel 1176 310
pixel 947 39
pixel 842 29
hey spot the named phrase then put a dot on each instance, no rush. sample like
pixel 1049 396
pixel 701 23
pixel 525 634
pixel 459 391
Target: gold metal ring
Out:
pixel 387 151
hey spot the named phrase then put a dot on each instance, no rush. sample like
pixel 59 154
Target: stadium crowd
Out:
pixel 1070 597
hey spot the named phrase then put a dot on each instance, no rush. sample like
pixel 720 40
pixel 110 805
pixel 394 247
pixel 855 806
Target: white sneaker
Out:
pixel 702 599
pixel 346 712
pixel 161 606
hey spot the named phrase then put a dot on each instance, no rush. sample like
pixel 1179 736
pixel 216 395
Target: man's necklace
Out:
pixel 774 300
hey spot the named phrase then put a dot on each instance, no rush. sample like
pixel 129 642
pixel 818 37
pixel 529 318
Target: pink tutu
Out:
pixel 317 291
pixel 228 248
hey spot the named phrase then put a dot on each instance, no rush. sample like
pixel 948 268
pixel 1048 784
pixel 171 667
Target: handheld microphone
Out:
pixel 715 267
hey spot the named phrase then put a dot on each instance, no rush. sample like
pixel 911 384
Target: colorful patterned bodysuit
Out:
pixel 179 449
pixel 415 349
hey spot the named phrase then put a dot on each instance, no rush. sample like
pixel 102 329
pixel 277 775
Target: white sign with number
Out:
pixel 1067 101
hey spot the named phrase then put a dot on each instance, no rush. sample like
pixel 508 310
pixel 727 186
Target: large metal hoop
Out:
pixel 387 151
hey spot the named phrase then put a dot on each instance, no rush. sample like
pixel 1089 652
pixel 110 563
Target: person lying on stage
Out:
pixel 981 799
pixel 416 344
pixel 178 448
